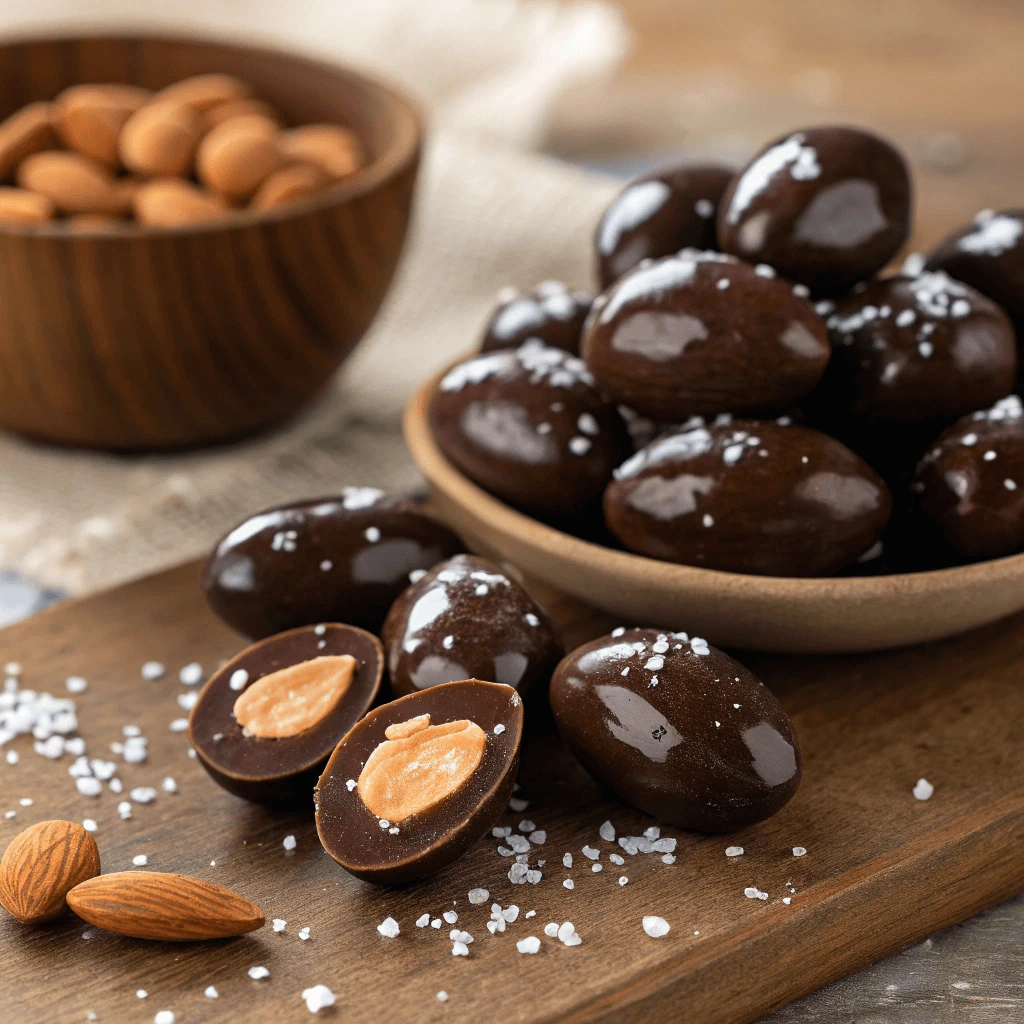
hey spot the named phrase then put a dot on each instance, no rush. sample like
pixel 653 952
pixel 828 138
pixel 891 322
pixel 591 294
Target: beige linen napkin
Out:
pixel 487 216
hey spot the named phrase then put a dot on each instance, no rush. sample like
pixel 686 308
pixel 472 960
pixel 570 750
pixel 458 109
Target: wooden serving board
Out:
pixel 882 869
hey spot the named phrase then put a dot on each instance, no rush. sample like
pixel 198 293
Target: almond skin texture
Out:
pixel 42 865
pixel 237 156
pixel 172 203
pixel 89 118
pixel 25 132
pixel 19 206
pixel 75 183
pixel 335 150
pixel 161 138
pixel 300 181
pixel 156 905
pixel 201 92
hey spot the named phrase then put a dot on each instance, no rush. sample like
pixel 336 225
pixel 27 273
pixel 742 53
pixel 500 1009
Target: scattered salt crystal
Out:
pixel 787 900
pixel 734 851
pixel 923 789
pixel 616 859
pixel 141 993
pixel 516 805
pixel 436 923
pixel 210 992
pixel 539 837
pixel 668 858
pixel 389 927
pixel 665 845
pixel 25 801
pixel 116 785
pixel 567 860
pixel 89 786
pixel 143 794
pixel 76 684
pixel 607 832
pixel 656 927
pixel 623 879
pixel 460 949
pixel 140 860
pixel 596 867
pixel 179 725
pixel 422 921
pixel 531 944
pixel 164 1017
pixel 589 851
pixel 799 851
pixel 256 973
pixel 279 924
pixel 238 679
pixel 450 916
pixel 89 933
pixel 317 997
pixel 124 808
pixel 477 896
pixel 753 893
pixel 304 934
pixel 152 670
pixel 569 884
pixel 191 674
pixel 567 934
pixel 169 785
pixel 289 842
pixel 499 729
pixel 519 844
pixel 89 825
pixel 187 701
pixel 351 784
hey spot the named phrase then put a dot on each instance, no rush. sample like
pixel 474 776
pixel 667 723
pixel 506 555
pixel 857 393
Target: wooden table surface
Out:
pixel 943 79
pixel 882 869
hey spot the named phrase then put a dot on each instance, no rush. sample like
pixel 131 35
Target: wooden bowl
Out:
pixel 145 338
pixel 761 613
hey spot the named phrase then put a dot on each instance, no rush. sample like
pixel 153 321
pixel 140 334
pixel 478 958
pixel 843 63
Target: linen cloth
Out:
pixel 489 213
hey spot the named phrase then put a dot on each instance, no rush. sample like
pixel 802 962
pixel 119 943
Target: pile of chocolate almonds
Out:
pixel 194 151
pixel 752 390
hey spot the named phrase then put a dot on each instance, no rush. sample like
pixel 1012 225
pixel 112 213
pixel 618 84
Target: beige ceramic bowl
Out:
pixel 763 613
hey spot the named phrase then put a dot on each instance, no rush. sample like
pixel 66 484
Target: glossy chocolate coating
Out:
pixel 659 214
pixel 700 333
pixel 971 482
pixel 677 728
pixel 551 313
pixel 827 207
pixel 748 496
pixel 466 619
pixel 425 842
pixel 921 349
pixel 281 772
pixel 530 427
pixel 988 255
pixel 343 558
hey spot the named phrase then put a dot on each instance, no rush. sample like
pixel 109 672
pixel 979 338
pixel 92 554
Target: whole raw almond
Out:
pixel 335 150
pixel 237 156
pixel 27 131
pixel 172 203
pixel 19 206
pixel 239 108
pixel 42 865
pixel 201 92
pixel 289 184
pixel 89 118
pixel 155 905
pixel 75 183
pixel 161 138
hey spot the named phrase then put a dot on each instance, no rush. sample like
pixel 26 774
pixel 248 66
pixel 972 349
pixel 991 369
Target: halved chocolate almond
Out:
pixel 265 724
pixel 415 783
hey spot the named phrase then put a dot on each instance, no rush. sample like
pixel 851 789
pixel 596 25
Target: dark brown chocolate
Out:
pixel 827 207
pixel 917 350
pixel 388 852
pixel 551 313
pixel 529 426
pixel 970 484
pixel 281 772
pixel 700 333
pixel 677 728
pixel 343 558
pixel 748 496
pixel 988 255
pixel 659 214
pixel 466 619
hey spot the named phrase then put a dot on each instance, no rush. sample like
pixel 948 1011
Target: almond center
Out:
pixel 294 699
pixel 419 765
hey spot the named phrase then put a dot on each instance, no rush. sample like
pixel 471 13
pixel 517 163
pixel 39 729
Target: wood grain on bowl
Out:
pixel 132 337
pixel 730 609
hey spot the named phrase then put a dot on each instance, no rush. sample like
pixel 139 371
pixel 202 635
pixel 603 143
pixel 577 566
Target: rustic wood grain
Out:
pixel 154 338
pixel 882 869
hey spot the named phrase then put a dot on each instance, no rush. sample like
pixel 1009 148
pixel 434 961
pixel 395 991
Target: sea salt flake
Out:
pixel 389 927
pixel 289 842
pixel 923 789
pixel 616 859
pixel 478 896
pixel 317 997
pixel 422 921
pixel 734 851
pixel 179 725
pixel 538 837
pixel 656 927
pixel 442 996
pixel 152 670
pixel 191 674
pixel 753 893
pixel 89 825
pixel 163 1017
pixel 279 924
pixel 211 992
pixel 76 684
pixel 531 944
pixel 143 794
pixel 799 851
pixel 239 678
pixel 607 832
pixel 169 785
pixel 589 851
pixel 304 933
pixel 256 973
pixel 569 884
pixel 450 916
pixel 567 860
pixel 140 860
pixel 460 949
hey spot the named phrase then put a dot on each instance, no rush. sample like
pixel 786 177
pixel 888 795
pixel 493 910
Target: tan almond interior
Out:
pixel 419 765
pixel 293 700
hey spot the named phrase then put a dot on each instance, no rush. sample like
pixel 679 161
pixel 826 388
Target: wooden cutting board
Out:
pixel 882 869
